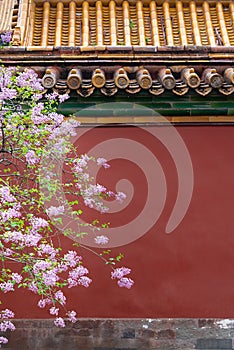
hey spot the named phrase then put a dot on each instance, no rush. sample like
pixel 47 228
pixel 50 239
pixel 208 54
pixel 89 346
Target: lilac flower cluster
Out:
pixel 25 234
pixel 92 193
pixel 103 162
pixel 7 314
pixel 10 213
pixel 48 271
pixel 7 94
pixel 43 302
pixel 55 211
pixel 77 277
pixel 72 316
pixel 60 297
pixel 6 324
pixel 38 117
pixel 28 78
pixel 59 322
pixel 6 75
pixel 16 278
pixel 29 237
pixel 13 209
pixel 119 274
pixel 101 240
pixel 47 249
pixel 71 258
pixel 31 158
pixel 5 38
pixel 55 95
pixel 7 287
pixel 3 340
pixel 67 128
pixel 6 195
pixel 38 223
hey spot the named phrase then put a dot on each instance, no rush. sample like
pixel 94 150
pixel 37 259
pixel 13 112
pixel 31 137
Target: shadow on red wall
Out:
pixel 187 273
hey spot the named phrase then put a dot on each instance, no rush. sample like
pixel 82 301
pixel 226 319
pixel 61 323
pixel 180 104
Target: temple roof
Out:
pixel 157 46
pixel 120 23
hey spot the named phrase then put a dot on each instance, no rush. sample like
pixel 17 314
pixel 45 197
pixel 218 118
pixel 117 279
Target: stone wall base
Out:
pixel 122 334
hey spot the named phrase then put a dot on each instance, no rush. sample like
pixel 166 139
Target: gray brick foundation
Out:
pixel 122 334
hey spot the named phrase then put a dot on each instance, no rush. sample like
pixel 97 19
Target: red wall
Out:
pixel 188 273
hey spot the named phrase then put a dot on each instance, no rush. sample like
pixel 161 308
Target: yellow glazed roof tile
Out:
pixel 9 14
pixel 119 23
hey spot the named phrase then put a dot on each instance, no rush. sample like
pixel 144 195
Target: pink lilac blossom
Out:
pixel 59 322
pixel 101 208
pixel 84 281
pixel 60 148
pixel 5 325
pixel 85 177
pixel 120 196
pixel 67 128
pixel 29 78
pixel 60 297
pixel 6 195
pixel 37 109
pixel 6 75
pixel 89 202
pixel 6 37
pixel 54 211
pixel 78 272
pixel 33 288
pixel 16 277
pixel 57 118
pixel 46 249
pixel 72 316
pixel 3 340
pixel 103 162
pixel 120 272
pixel 54 311
pixel 63 98
pixel 37 96
pixel 31 158
pixel 78 169
pixel 94 190
pixel 110 193
pixel 52 96
pixel 7 94
pixel 7 314
pixel 83 160
pixel 28 240
pixel 12 236
pixel 50 278
pixel 31 240
pixel 63 267
pixel 125 282
pixel 43 302
pixel 41 265
pixel 11 213
pixel 38 223
pixel 101 240
pixel 71 283
pixel 40 118
pixel 71 258
pixel 8 252
pixel 7 287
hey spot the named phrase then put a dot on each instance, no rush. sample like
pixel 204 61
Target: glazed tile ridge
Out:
pixel 118 23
